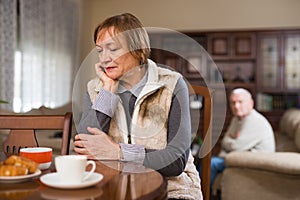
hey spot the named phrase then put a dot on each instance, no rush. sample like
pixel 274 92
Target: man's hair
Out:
pixel 129 27
pixel 242 91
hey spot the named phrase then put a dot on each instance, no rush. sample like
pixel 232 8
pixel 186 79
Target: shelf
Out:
pixel 274 101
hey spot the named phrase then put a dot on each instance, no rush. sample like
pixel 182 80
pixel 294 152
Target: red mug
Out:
pixel 41 155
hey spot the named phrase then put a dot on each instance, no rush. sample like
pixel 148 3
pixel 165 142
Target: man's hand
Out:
pixel 97 145
pixel 236 135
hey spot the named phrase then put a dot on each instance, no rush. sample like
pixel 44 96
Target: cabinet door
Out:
pixel 292 61
pixel 269 62
pixel 236 45
pixel 219 45
pixel 243 45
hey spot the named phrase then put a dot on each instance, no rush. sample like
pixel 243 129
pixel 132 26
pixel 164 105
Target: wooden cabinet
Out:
pixel 279 66
pixel 265 62
pixel 279 61
pixel 183 53
pixel 234 53
pixel 270 62
pixel 232 45
pixel 292 61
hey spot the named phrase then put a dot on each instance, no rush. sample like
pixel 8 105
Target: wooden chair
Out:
pixel 22 130
pixel 206 134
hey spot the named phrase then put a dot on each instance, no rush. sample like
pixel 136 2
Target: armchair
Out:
pixel 268 176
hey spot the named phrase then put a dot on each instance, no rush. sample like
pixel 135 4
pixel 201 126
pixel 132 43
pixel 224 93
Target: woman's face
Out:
pixel 114 56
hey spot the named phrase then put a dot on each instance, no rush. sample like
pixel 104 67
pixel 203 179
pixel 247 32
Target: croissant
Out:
pixel 12 170
pixel 21 161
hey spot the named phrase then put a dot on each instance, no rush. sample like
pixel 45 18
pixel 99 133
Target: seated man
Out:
pixel 248 131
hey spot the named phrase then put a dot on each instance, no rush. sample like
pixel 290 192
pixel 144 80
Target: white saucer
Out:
pixel 51 180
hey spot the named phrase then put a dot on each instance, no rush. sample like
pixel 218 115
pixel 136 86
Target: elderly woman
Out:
pixel 137 111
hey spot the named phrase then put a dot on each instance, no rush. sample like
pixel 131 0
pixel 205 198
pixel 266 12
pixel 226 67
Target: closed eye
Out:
pixel 99 50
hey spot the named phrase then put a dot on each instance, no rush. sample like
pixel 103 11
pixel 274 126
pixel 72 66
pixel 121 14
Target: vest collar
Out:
pixel 152 82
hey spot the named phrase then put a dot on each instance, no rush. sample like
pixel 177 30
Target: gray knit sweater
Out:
pixel 255 135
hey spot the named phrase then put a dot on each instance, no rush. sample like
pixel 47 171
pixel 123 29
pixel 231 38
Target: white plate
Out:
pixel 19 179
pixel 52 181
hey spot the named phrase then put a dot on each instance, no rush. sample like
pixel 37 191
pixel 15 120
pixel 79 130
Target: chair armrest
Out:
pixel 282 162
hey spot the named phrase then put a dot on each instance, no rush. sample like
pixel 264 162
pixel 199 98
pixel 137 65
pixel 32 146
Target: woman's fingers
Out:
pixel 109 84
pixel 94 131
pixel 79 143
pixel 98 69
pixel 100 72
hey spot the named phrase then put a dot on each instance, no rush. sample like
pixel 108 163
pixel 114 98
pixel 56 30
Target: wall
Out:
pixel 189 15
pixel 193 15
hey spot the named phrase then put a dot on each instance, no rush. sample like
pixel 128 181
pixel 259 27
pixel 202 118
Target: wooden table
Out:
pixel 121 181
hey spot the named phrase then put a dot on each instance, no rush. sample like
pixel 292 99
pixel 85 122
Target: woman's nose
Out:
pixel 105 57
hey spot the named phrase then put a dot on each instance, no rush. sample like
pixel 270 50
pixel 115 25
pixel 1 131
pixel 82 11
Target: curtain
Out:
pixel 8 23
pixel 46 56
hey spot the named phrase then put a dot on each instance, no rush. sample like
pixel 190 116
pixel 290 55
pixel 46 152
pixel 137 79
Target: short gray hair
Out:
pixel 242 91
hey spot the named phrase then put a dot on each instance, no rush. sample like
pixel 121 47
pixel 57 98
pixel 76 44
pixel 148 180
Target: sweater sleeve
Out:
pixel 88 116
pixel 99 114
pixel 228 139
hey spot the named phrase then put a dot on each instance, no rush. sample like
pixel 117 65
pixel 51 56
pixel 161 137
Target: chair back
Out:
pixel 205 131
pixel 22 130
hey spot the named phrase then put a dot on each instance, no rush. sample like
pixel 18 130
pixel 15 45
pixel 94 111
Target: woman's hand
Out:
pixel 97 145
pixel 108 83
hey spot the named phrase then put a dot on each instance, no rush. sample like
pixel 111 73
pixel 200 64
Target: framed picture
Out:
pixel 196 66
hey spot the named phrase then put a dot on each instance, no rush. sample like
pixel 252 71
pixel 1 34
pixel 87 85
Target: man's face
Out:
pixel 241 104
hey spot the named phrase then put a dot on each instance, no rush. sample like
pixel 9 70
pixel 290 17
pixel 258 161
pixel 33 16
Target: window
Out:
pixel 45 53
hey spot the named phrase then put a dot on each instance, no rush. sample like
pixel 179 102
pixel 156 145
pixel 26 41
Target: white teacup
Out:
pixel 71 168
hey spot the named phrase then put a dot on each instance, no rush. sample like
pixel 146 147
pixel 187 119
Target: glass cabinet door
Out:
pixel 270 62
pixel 292 61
